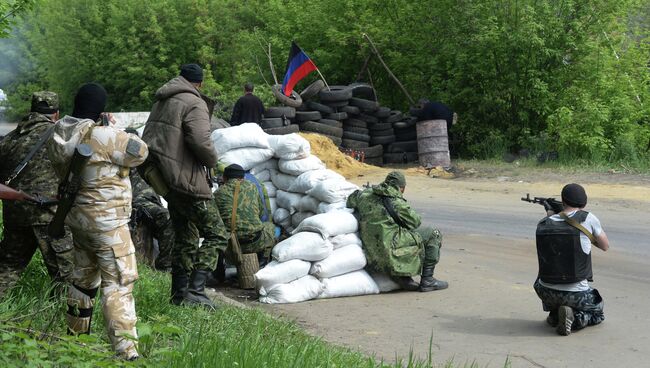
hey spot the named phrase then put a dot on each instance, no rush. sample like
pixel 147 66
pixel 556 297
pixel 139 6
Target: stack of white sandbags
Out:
pixel 246 145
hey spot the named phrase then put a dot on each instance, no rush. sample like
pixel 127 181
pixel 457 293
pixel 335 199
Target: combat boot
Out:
pixel 179 287
pixel 196 292
pixel 430 283
pixel 565 320
pixel 406 283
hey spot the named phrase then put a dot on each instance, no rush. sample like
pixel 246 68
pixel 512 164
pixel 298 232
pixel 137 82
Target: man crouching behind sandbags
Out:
pixel 392 237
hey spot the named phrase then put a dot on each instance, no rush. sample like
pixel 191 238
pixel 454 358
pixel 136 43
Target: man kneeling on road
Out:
pixel 564 254
pixel 393 240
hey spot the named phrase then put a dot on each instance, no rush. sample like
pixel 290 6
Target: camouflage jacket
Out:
pixel 249 207
pixel 104 199
pixel 142 192
pixel 37 178
pixel 390 247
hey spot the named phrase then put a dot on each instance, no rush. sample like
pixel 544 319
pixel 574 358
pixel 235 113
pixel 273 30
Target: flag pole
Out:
pixel 323 78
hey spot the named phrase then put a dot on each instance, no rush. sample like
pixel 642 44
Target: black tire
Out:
pixel 356 130
pixel 308 115
pixel 382 112
pixel 382 133
pixel 293 128
pixel 312 90
pixel 356 123
pixel 363 104
pixel 363 90
pixel 338 104
pixel 269 123
pixel 331 122
pixel 368 119
pixel 416 111
pixel 323 109
pixel 335 93
pixel 337 141
pixel 394 116
pixel 352 144
pixel 294 101
pixel 314 127
pixel 280 111
pixel 380 126
pixel 350 110
pixel 400 158
pixel 356 136
pixel 338 116
pixel 408 146
pixel 409 135
pixel 374 151
pixel 386 139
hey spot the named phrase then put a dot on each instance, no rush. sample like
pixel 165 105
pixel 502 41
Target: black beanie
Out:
pixel 192 72
pixel 234 171
pixel 89 102
pixel 574 195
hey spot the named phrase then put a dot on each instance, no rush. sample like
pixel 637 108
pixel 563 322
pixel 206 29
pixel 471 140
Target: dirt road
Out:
pixel 490 313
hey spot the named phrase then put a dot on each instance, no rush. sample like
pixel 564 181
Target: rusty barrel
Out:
pixel 433 143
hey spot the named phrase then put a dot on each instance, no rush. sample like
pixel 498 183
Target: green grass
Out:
pixel 32 333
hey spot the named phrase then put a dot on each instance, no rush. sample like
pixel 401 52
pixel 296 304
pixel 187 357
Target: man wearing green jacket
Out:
pixel 392 238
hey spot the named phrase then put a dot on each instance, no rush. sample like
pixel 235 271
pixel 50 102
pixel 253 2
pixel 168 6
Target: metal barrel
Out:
pixel 433 143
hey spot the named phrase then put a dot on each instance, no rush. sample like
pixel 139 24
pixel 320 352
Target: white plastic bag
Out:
pixel 282 217
pixel 306 245
pixel 324 207
pixel 246 157
pixel 282 181
pixel 290 146
pixel 308 180
pixel 245 135
pixel 350 284
pixel 308 204
pixel 274 205
pixel 297 167
pixel 270 188
pixel 305 288
pixel 384 282
pixel 288 200
pixel 264 175
pixel 330 223
pixel 332 190
pixel 297 217
pixel 343 260
pixel 269 164
pixel 276 273
pixel 343 240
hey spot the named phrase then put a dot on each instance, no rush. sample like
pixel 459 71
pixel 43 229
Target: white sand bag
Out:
pixel 332 190
pixel 343 260
pixel 270 188
pixel 297 167
pixel 350 284
pixel 282 217
pixel 384 282
pixel 308 204
pixel 274 205
pixel 282 181
pixel 343 240
pixel 306 245
pixel 269 164
pixel 289 146
pixel 288 200
pixel 324 207
pixel 305 288
pixel 246 157
pixel 308 180
pixel 297 217
pixel 244 135
pixel 264 175
pixel 276 273
pixel 330 224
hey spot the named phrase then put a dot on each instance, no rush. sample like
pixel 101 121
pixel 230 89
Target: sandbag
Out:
pixel 332 190
pixel 297 167
pixel 282 181
pixel 350 284
pixel 246 157
pixel 264 175
pixel 308 204
pixel 384 282
pixel 324 207
pixel 282 217
pixel 305 288
pixel 305 245
pixel 343 260
pixel 289 146
pixel 270 188
pixel 288 200
pixel 308 180
pixel 247 135
pixel 268 164
pixel 274 204
pixel 343 240
pixel 275 273
pixel 330 223
pixel 297 217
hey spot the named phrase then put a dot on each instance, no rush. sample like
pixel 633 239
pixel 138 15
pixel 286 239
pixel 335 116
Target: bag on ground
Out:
pixel 343 260
pixel 305 288
pixel 287 200
pixel 350 284
pixel 324 207
pixel 274 204
pixel 332 190
pixel 384 282
pixel 266 165
pixel 244 135
pixel 282 181
pixel 297 167
pixel 343 240
pixel 308 204
pixel 306 245
pixel 246 157
pixel 308 180
pixel 290 146
pixel 297 217
pixel 282 217
pixel 276 273
pixel 330 223
pixel 270 188
pixel 264 175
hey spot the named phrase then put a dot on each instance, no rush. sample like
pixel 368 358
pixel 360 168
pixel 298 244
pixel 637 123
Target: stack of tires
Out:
pixel 405 147
pixel 279 120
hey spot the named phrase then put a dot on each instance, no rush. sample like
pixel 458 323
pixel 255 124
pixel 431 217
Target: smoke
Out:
pixel 12 62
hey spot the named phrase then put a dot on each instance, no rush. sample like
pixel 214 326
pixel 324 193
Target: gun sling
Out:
pixel 234 248
pixel 391 211
pixel 21 166
pixel 575 224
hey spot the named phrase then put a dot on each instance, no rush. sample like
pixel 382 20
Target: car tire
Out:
pixel 335 93
pixel 308 116
pixel 331 122
pixel 356 130
pixel 352 144
pixel 386 139
pixel 280 111
pixel 294 101
pixel 314 127
pixel 356 136
pixel 323 109
pixel 293 128
pixel 356 123
pixel 312 90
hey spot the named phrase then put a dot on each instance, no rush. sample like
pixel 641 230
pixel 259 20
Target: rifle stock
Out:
pixel 10 194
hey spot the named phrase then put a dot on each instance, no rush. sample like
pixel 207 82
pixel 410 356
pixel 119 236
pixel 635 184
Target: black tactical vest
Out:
pixel 559 253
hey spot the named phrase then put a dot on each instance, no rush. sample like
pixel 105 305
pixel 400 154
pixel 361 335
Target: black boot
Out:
pixel 179 287
pixel 196 291
pixel 406 283
pixel 428 282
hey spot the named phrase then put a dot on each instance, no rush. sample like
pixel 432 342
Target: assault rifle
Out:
pixel 10 194
pixel 550 204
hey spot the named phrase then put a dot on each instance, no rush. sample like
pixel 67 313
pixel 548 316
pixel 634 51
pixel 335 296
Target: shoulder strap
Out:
pixel 233 216
pixel 391 210
pixel 21 166
pixel 575 224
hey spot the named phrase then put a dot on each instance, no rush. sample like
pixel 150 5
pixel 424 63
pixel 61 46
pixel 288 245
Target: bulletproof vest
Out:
pixel 559 253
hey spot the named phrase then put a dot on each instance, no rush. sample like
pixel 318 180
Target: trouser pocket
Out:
pixel 125 263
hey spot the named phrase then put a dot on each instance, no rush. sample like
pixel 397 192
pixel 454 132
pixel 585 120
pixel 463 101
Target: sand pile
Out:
pixel 434 172
pixel 323 148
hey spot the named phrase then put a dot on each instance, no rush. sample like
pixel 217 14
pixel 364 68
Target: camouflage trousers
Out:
pixel 157 218
pixel 262 242
pixel 191 219
pixel 106 260
pixel 20 244
pixel 432 242
pixel 587 305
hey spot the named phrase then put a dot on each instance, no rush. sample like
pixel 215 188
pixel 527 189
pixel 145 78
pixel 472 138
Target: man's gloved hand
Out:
pixel 547 206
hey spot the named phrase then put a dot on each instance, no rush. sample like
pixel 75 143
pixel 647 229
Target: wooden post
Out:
pixel 374 49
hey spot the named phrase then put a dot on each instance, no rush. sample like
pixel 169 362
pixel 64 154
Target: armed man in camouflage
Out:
pixel 393 240
pixel 103 250
pixel 25 224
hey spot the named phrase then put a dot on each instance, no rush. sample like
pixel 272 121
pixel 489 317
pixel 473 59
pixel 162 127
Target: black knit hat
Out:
pixel 90 101
pixel 234 171
pixel 192 72
pixel 574 195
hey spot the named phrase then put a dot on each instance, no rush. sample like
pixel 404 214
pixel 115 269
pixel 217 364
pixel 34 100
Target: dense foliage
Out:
pixel 568 75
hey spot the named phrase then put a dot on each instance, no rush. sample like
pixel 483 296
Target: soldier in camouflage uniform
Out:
pixel 393 239
pixel 103 250
pixel 26 224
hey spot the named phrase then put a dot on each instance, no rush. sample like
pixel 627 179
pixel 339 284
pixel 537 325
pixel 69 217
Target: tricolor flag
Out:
pixel 298 66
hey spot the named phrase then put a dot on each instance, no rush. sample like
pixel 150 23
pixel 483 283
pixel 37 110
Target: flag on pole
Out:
pixel 298 66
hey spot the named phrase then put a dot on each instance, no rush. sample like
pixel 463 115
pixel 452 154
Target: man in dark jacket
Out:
pixel 178 136
pixel 248 109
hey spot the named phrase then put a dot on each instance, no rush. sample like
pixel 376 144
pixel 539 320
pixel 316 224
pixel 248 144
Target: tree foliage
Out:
pixel 9 10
